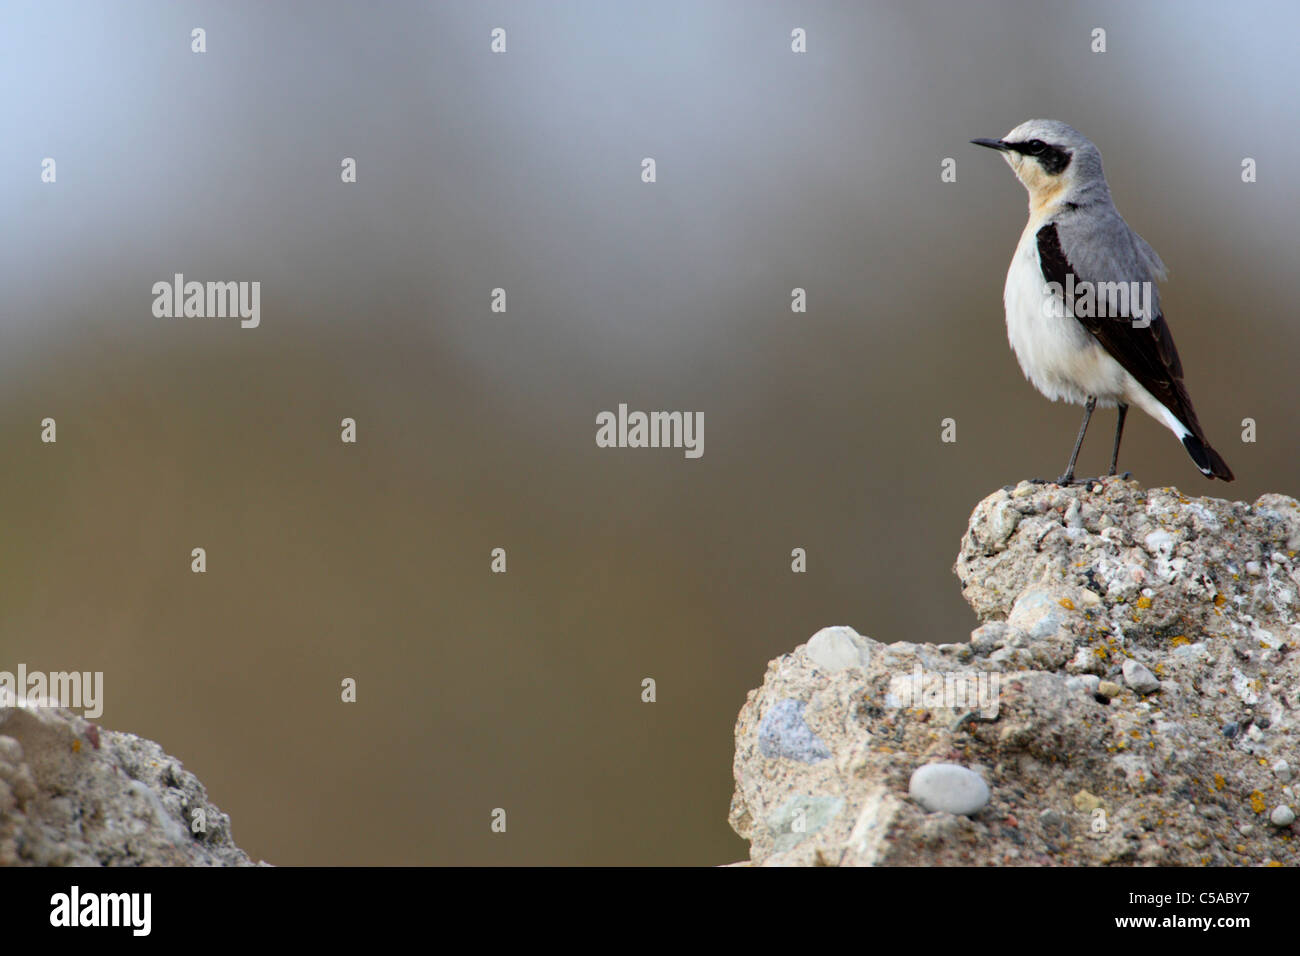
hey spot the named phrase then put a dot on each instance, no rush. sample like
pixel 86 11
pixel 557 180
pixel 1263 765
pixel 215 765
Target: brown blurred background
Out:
pixel 477 429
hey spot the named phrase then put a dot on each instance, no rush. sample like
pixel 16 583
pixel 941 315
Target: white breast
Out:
pixel 1056 353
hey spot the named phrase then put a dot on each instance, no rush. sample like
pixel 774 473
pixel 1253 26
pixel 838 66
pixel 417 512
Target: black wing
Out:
pixel 1145 351
pixel 1148 354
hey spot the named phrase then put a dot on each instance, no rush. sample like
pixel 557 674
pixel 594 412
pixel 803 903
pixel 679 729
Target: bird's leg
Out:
pixel 1119 431
pixel 1088 408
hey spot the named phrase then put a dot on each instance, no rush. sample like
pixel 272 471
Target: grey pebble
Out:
pixel 1139 677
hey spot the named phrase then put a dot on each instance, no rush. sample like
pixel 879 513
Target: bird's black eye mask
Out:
pixel 1053 159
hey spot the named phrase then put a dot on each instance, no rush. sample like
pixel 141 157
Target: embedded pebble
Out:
pixel 1002 523
pixel 1282 770
pixel 1139 677
pixel 783 733
pixel 988 636
pixel 835 648
pixel 948 788
pixel 1087 683
pixel 1282 816
pixel 1086 802
pixel 1108 688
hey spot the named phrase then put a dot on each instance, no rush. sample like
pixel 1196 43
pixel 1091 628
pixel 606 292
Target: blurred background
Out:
pixel 477 429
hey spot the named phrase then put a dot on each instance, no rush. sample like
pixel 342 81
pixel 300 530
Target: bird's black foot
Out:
pixel 1066 481
pixel 1122 477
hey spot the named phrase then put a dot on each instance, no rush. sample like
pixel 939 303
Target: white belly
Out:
pixel 1056 353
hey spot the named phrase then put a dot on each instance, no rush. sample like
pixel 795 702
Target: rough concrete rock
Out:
pixel 1130 697
pixel 72 794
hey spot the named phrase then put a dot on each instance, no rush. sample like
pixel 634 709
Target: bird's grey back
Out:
pixel 1101 247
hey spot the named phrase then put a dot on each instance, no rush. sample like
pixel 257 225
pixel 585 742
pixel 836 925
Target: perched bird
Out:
pixel 1083 315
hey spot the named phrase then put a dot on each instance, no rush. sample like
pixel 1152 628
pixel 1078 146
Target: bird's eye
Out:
pixel 1035 147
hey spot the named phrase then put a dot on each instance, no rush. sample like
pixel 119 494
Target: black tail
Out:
pixel 1206 458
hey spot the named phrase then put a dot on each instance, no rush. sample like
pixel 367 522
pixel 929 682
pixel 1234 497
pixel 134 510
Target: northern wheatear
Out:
pixel 1082 312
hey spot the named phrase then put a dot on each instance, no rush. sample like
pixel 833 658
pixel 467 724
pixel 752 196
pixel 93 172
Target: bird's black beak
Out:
pixel 992 144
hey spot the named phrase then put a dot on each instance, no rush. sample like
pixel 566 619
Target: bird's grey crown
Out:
pixel 1051 132
pixel 1085 157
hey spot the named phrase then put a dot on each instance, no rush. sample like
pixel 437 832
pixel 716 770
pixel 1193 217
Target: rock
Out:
pixel 73 794
pixel 948 788
pixel 1088 602
pixel 1139 677
pixel 1282 816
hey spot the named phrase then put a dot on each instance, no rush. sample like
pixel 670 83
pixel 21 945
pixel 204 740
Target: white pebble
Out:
pixel 835 648
pixel 949 788
pixel 1282 816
